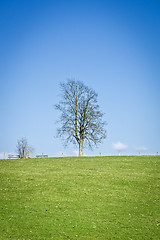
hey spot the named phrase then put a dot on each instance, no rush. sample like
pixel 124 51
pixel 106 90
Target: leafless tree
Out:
pixel 23 149
pixel 80 117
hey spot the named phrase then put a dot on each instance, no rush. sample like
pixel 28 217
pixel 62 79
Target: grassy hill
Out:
pixel 80 198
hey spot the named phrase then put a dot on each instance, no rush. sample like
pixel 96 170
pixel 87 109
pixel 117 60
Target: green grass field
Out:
pixel 80 198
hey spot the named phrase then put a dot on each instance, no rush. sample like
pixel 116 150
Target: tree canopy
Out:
pixel 80 116
pixel 23 149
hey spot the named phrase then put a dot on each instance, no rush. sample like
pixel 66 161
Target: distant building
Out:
pixel 13 156
pixel 42 156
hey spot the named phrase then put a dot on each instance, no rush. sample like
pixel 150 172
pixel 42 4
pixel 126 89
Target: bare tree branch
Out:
pixel 23 149
pixel 80 119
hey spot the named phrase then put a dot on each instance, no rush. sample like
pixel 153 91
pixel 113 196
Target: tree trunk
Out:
pixel 81 148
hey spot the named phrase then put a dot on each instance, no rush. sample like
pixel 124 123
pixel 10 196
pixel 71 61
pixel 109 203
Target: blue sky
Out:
pixel 112 46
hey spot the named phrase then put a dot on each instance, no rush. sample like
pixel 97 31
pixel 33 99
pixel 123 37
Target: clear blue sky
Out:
pixel 112 46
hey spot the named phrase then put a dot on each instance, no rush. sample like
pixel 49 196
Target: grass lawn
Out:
pixel 80 198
